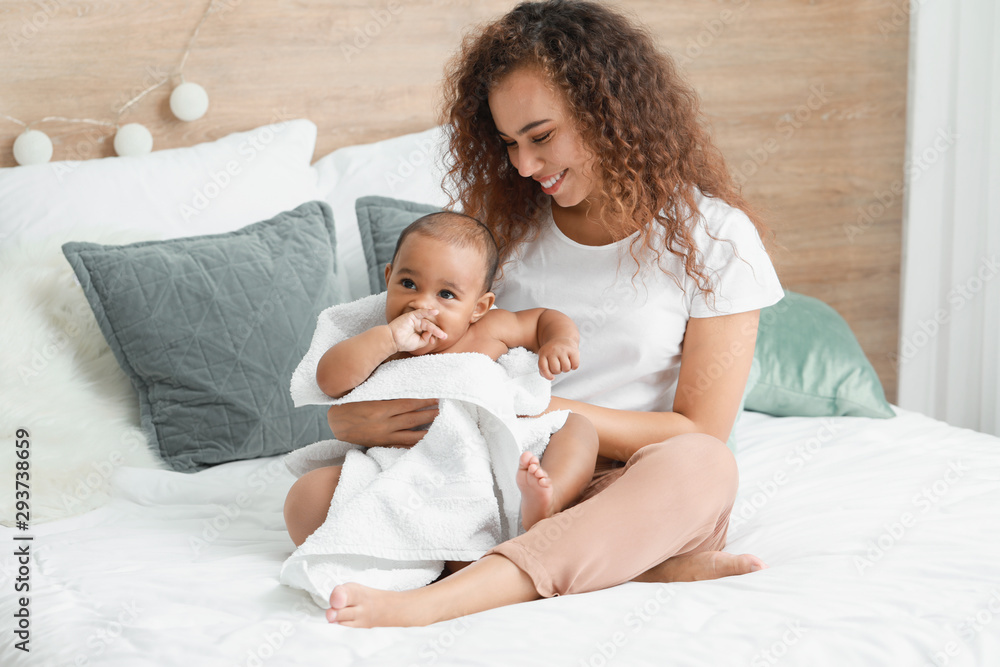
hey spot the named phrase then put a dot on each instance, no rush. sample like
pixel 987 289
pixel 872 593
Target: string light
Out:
pixel 188 102
pixel 133 139
pixel 32 147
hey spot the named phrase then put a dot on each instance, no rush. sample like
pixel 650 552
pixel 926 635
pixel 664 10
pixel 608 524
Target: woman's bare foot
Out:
pixel 702 566
pixel 537 495
pixel 358 606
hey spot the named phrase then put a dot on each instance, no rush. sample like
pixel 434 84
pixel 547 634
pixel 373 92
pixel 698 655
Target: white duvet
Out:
pixel 882 536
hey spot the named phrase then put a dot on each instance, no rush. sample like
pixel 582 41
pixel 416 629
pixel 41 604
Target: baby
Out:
pixel 439 301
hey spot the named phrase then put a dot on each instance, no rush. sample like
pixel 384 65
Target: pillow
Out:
pixel 62 384
pixel 210 328
pixel 407 167
pixel 380 222
pixel 811 365
pixel 205 189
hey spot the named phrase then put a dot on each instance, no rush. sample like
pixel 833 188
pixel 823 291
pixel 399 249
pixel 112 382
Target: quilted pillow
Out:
pixel 380 221
pixel 210 328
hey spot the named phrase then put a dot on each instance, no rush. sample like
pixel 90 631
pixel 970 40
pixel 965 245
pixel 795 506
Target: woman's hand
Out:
pixel 382 423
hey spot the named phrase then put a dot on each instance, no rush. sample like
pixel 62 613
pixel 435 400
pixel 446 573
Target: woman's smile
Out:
pixel 552 183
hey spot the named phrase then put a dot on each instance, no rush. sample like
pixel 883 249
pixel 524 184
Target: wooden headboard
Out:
pixel 807 99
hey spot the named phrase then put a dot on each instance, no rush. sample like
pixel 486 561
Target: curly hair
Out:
pixel 634 111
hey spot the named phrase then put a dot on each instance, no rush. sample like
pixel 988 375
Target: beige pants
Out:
pixel 671 498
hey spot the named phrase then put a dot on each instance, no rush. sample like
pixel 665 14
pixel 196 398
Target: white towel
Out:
pixel 398 514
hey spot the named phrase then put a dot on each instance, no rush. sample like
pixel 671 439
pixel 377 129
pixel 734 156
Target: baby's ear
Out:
pixel 388 272
pixel 483 306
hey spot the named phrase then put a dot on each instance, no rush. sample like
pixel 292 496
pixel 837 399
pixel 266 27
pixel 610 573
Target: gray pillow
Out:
pixel 380 221
pixel 210 328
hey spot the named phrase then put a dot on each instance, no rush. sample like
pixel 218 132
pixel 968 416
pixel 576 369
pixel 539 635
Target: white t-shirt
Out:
pixel 632 325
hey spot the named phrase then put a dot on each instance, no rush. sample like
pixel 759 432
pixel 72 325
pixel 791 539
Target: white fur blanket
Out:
pixel 61 383
pixel 398 514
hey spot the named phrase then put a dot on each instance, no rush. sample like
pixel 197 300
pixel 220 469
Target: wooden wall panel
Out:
pixel 807 99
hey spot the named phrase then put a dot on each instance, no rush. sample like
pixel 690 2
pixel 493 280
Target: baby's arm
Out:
pixel 558 343
pixel 349 363
pixel 550 333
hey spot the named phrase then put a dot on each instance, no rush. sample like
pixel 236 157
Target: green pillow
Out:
pixel 811 365
pixel 210 328
pixel 380 221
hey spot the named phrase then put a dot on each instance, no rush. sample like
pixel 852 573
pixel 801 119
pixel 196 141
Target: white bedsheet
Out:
pixel 882 536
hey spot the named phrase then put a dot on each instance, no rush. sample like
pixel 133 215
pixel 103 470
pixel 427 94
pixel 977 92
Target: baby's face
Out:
pixel 429 273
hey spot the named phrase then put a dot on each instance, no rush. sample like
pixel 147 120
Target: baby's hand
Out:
pixel 559 355
pixel 413 330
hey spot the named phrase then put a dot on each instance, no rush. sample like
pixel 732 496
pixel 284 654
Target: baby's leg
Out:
pixel 308 502
pixel 568 467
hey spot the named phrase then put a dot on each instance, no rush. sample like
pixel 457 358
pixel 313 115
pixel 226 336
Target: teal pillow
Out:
pixel 811 365
pixel 380 221
pixel 210 328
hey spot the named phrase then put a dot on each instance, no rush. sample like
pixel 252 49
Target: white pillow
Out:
pixel 62 384
pixel 209 188
pixel 407 167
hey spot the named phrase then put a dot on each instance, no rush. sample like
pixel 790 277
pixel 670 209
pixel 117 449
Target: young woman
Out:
pixel 582 149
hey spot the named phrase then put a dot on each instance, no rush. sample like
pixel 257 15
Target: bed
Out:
pixel 156 540
pixel 851 580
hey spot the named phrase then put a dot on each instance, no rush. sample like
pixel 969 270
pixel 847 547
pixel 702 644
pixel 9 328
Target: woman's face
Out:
pixel 542 138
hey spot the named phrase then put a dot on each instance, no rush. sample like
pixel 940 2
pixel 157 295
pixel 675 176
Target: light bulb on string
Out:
pixel 189 101
pixel 133 139
pixel 32 147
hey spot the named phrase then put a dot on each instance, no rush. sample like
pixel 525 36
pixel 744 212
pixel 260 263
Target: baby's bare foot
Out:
pixel 701 566
pixel 537 494
pixel 358 606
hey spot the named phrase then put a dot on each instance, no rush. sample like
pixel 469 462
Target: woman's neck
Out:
pixel 582 223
